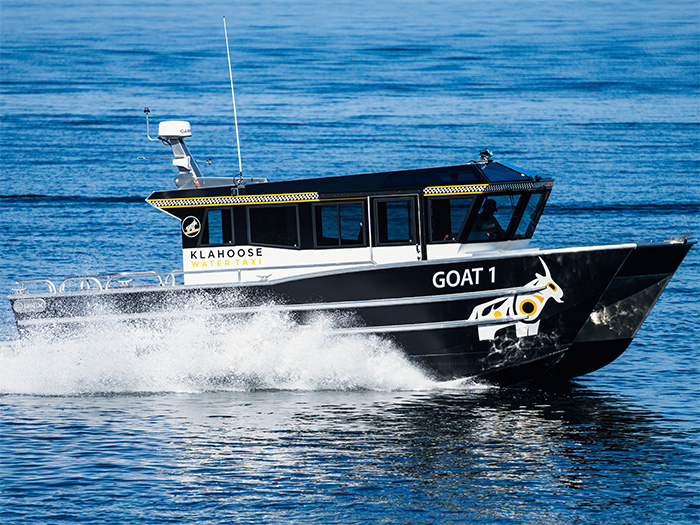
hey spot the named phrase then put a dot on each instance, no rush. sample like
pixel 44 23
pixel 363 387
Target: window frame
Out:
pixel 338 204
pixel 205 229
pixel 522 198
pixel 280 205
pixel 537 215
pixel 413 199
pixel 465 221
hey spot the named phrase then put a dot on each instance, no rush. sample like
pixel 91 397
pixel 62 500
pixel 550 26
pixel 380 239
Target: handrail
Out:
pixel 131 276
pixel 95 282
pixel 171 277
pixel 22 289
pixel 90 282
pixel 84 283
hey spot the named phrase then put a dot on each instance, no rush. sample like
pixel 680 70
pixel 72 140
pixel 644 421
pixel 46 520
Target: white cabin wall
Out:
pixel 255 263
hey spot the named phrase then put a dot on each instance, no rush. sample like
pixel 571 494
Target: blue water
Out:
pixel 277 424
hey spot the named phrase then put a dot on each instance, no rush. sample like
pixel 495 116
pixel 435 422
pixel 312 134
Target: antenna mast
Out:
pixel 233 99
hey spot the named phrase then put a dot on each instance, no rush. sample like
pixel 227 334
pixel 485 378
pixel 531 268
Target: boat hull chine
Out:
pixel 620 312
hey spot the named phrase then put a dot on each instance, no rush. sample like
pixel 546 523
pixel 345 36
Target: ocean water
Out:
pixel 274 423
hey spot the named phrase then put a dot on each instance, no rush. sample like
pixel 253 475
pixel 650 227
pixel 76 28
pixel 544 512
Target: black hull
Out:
pixel 441 325
pixel 621 310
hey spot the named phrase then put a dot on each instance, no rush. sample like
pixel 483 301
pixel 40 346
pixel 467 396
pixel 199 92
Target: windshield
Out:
pixel 491 223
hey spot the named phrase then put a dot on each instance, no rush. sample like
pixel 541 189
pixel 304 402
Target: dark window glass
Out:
pixel 214 223
pixel 273 225
pixel 499 172
pixel 491 224
pixel 351 225
pixel 339 225
pixel 395 222
pixel 329 225
pixel 530 217
pixel 218 228
pixel 447 216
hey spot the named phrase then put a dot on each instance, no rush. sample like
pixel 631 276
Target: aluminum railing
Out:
pixel 98 282
pixel 125 279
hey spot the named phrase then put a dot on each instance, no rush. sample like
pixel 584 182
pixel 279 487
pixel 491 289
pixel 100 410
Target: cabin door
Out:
pixel 396 235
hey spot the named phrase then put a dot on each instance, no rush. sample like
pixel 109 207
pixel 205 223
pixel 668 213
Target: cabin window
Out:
pixel 339 225
pixel 447 217
pixel 495 214
pixel 395 219
pixel 218 228
pixel 273 225
pixel 531 215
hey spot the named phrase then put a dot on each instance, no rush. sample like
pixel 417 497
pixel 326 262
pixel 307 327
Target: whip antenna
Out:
pixel 233 99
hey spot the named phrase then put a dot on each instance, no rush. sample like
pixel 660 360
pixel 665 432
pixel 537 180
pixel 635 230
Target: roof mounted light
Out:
pixel 485 156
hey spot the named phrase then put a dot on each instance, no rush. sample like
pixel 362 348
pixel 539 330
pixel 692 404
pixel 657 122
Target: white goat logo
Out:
pixel 530 305
pixel 191 226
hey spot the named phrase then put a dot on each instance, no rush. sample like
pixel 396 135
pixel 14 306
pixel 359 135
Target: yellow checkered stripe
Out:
pixel 476 188
pixel 232 200
pixel 442 190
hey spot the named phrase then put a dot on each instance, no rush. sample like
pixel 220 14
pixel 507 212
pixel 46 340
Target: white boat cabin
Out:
pixel 242 230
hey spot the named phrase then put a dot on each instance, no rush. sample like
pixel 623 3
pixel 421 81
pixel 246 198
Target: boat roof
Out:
pixel 473 173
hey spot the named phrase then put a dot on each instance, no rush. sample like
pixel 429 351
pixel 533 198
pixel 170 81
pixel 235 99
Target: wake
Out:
pixel 265 351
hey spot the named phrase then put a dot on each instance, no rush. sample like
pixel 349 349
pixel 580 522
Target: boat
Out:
pixel 438 260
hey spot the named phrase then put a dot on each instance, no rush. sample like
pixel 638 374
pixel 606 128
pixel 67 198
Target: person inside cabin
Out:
pixel 486 221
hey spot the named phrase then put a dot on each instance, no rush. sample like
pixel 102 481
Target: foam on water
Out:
pixel 267 351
